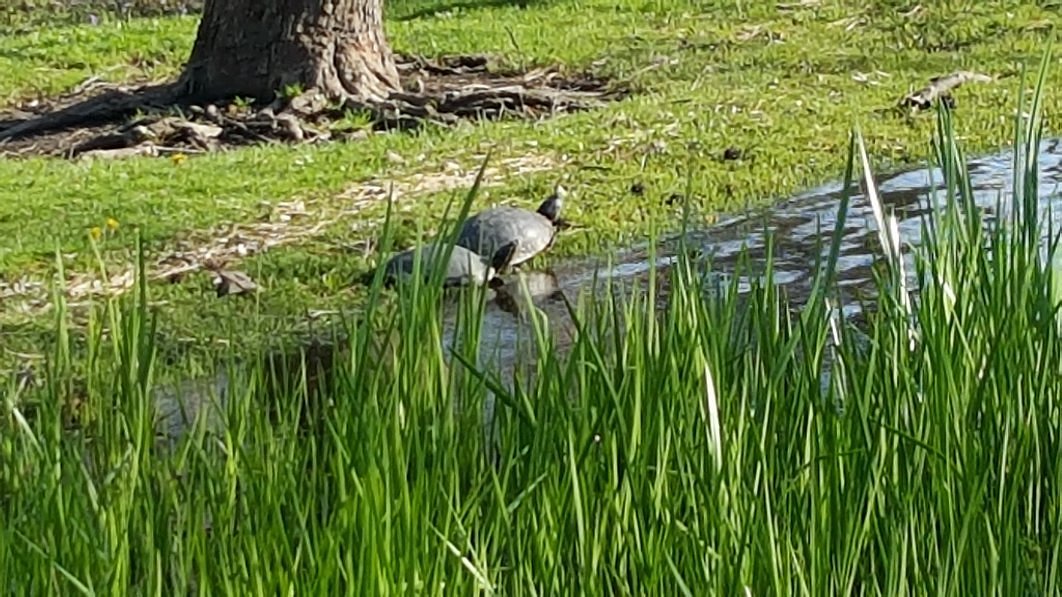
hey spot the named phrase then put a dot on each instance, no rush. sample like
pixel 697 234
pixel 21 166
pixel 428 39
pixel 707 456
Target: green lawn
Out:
pixel 726 444
pixel 783 84
pixel 719 444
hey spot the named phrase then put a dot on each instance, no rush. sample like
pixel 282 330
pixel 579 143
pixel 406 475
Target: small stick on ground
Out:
pixel 940 88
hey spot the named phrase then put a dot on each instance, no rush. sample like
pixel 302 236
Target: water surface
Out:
pixel 799 227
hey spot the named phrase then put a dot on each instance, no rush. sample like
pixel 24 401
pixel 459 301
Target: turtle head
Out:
pixel 551 207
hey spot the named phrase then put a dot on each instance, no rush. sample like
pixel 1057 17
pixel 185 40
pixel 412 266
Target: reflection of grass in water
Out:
pixel 694 450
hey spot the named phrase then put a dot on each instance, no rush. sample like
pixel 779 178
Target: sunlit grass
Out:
pixel 780 83
pixel 727 443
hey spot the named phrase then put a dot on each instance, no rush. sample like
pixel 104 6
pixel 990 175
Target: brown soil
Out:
pixel 110 121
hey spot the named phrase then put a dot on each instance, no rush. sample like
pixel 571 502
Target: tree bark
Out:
pixel 258 48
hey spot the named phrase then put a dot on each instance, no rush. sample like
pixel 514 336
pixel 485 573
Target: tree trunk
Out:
pixel 257 48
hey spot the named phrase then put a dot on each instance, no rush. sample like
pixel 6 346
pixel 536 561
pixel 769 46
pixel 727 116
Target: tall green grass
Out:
pixel 726 443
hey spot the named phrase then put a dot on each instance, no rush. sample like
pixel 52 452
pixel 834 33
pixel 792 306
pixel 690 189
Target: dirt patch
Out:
pixel 110 121
pixel 287 223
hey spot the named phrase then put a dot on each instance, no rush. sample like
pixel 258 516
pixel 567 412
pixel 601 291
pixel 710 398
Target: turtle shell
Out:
pixel 464 268
pixel 490 229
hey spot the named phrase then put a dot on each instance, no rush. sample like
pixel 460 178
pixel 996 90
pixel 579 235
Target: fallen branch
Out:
pixel 165 131
pixel 230 281
pixel 940 88
pixel 147 149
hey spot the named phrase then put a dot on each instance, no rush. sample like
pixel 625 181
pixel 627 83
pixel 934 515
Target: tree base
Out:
pixel 439 93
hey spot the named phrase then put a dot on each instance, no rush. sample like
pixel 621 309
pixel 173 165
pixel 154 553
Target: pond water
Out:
pixel 800 227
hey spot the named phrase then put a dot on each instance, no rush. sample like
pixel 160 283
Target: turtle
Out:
pixel 464 268
pixel 498 226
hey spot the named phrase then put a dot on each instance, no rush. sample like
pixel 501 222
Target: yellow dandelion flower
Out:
pixel 178 158
pixel 95 232
pixel 112 224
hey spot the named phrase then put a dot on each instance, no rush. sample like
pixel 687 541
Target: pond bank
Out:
pixel 800 231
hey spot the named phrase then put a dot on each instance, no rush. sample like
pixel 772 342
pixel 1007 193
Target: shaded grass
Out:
pixel 728 443
pixel 781 85
pixel 46 61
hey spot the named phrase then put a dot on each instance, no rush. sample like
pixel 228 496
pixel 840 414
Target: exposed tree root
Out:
pixel 115 103
pixel 440 92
